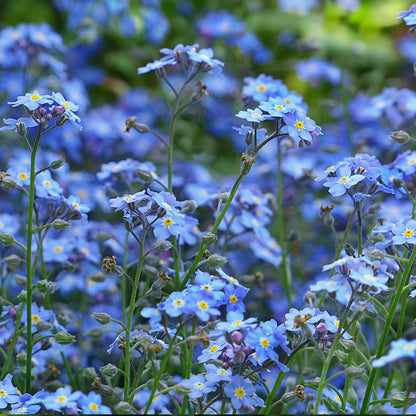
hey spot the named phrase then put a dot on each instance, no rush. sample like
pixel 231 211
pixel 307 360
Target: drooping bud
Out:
pixel 109 370
pixel 56 164
pixel 215 260
pixel 102 318
pixel 400 136
pixel 64 338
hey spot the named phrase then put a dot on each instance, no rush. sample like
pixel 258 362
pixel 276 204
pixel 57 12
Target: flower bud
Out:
pixel 322 328
pixel 215 260
pixel 8 182
pixel 46 286
pixel 349 249
pixel 354 372
pixel 288 397
pixel 44 326
pixel 348 345
pixel 162 245
pixel 398 400
pixel 56 164
pixel 20 280
pixel 64 338
pixel 22 296
pixel 223 196
pixel 22 358
pixel 378 238
pixel 400 136
pixel 141 128
pixel 249 137
pixel 109 370
pixel 208 238
pixel 236 337
pixel 123 408
pixel 97 277
pixel 21 128
pixel 193 340
pixel 60 121
pixel 102 318
pixel 60 224
pixel 6 239
pixel 144 175
pixel 375 254
pixel 247 160
pixel 89 372
pixel 314 383
pixel 182 390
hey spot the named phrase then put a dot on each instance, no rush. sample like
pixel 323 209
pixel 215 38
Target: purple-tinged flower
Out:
pixel 240 391
pixel 399 349
pixel 32 100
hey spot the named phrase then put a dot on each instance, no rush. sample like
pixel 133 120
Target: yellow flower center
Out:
pixel 203 305
pixel 61 399
pixel 207 287
pixel 2 393
pixel 409 347
pixel 46 184
pixel 23 175
pixel 178 303
pixel 35 97
pixel 261 88
pixel 408 233
pixel 233 299
pixel 58 249
pixel 128 198
pixel 236 323
pixel 240 392
pixel 65 104
pixel 279 107
pixel 331 167
pixel 264 342
pixel 287 100
pixel 199 385
pixel 85 251
pixel 344 179
pixel 299 125
pixel 214 348
pixel 412 161
pixel 35 318
pixel 93 407
pixel 167 222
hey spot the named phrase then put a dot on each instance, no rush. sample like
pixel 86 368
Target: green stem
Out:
pixel 12 343
pixel 161 370
pixel 403 279
pixel 29 270
pixel 214 230
pixel 130 318
pixel 348 380
pixel 280 224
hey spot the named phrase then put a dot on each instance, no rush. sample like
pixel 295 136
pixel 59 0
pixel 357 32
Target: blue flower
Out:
pixel 216 374
pixel 205 58
pixel 255 116
pixel 11 123
pixel 158 64
pixel 343 181
pixel 235 321
pixel 276 107
pixel 399 349
pixel 92 404
pixel 177 303
pixel 32 100
pixel 198 385
pixel 62 399
pixel 240 391
pixel 8 392
pixel 408 16
pixel 233 297
pixel 68 108
pixel 300 128
pixel 404 232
